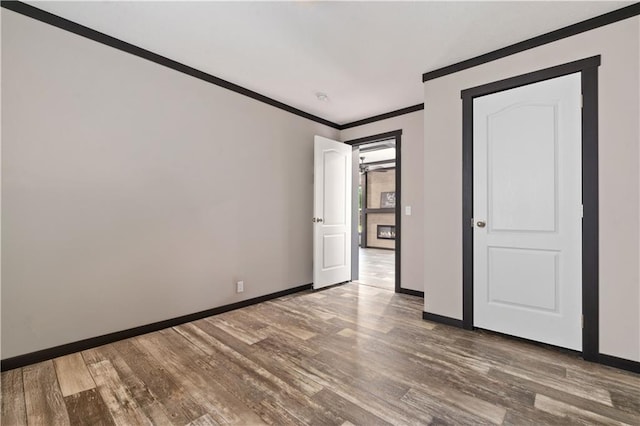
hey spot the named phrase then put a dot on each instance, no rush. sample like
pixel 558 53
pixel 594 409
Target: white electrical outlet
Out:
pixel 239 286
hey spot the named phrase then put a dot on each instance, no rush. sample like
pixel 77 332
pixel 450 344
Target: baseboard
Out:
pixel 442 319
pixel 411 292
pixel 92 342
pixel 621 363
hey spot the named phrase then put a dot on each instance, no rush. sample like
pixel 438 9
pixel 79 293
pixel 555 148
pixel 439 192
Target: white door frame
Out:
pixel 589 74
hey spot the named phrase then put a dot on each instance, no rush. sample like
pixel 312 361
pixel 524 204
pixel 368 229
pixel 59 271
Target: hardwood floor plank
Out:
pixel 308 387
pixel 442 413
pixel 424 370
pixel 351 315
pixel 188 366
pixel 118 398
pixel 625 394
pixel 603 375
pixel 205 420
pixel 494 355
pixel 275 414
pixel 14 411
pixel 353 413
pixel 581 390
pixel 564 410
pixel 247 380
pixel 464 398
pixel 178 405
pixel 88 408
pixel 570 398
pixel 626 401
pixel 43 399
pixel 72 374
pixel 487 411
pixel 327 376
pixel 350 368
pixel 148 390
pixel 290 313
pixel 240 334
pixel 280 377
pixel 534 417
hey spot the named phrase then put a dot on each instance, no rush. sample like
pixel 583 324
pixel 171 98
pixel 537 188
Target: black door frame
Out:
pixel 588 68
pixel 397 135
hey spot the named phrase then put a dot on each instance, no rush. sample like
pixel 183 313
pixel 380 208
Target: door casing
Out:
pixel 588 68
pixel 397 135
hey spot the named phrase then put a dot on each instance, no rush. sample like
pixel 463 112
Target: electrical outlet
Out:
pixel 239 286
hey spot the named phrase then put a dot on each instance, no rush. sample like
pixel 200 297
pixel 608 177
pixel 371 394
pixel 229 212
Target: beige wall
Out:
pixel 378 182
pixel 129 191
pixel 412 243
pixel 619 108
pixel 373 221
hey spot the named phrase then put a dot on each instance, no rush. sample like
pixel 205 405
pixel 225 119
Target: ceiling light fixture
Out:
pixel 322 97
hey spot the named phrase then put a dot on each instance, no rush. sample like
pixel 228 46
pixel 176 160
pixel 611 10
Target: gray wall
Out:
pixel 412 242
pixel 132 193
pixel 619 103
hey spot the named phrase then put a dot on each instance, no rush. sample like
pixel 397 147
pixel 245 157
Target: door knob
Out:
pixel 319 219
pixel 481 224
pixel 316 219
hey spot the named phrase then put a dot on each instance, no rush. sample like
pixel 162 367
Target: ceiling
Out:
pixel 367 57
pixel 372 153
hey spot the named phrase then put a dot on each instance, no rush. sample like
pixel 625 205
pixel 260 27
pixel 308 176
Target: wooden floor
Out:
pixel 377 268
pixel 346 355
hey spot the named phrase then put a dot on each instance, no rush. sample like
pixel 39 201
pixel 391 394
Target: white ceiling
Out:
pixel 368 57
pixel 378 155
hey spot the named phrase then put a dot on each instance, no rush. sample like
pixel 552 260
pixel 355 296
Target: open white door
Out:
pixel 331 212
pixel 527 193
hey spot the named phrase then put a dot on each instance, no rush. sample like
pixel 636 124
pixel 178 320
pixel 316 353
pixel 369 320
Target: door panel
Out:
pixel 332 212
pixel 527 188
pixel 535 270
pixel 522 168
pixel 335 179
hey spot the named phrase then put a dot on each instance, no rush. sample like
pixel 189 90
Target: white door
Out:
pixel 331 212
pixel 528 212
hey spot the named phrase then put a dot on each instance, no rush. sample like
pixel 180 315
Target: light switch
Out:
pixel 407 210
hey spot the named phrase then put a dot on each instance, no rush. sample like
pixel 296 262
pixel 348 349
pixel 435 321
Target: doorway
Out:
pixel 376 210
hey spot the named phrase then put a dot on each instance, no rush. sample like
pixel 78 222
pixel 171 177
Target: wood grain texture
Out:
pixel 347 355
pixel 43 399
pixel 155 410
pixel 88 408
pixel 72 374
pixel 14 411
pixel 116 395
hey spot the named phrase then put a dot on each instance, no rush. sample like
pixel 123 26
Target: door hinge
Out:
pixel 472 222
pixel 582 321
pixel 582 210
pixel 581 101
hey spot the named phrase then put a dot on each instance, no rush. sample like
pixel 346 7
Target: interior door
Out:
pixel 527 204
pixel 331 212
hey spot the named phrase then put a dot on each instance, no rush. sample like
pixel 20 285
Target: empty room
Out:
pixel 320 213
